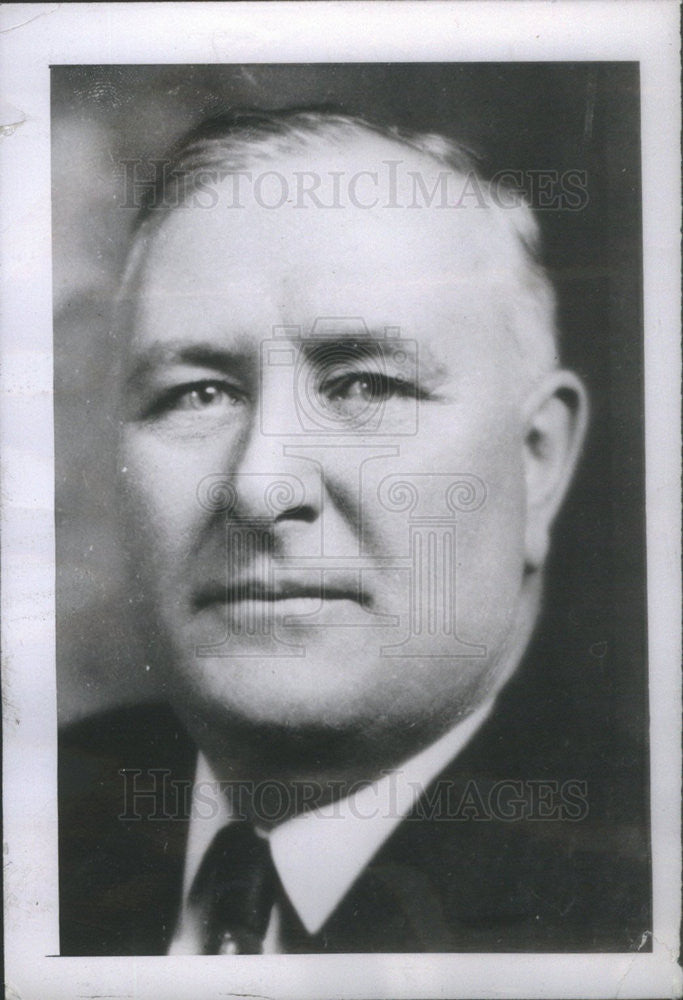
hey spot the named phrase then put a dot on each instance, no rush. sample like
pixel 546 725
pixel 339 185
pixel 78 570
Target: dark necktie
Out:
pixel 234 891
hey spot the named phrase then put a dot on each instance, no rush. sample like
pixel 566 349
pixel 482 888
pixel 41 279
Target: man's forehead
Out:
pixel 413 268
pixel 281 273
pixel 377 204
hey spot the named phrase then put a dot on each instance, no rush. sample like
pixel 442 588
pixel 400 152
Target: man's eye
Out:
pixel 207 395
pixel 364 387
pixel 210 397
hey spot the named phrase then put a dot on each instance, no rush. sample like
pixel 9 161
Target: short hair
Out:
pixel 232 141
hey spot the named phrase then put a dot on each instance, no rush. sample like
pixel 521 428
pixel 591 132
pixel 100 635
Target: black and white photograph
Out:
pixel 360 628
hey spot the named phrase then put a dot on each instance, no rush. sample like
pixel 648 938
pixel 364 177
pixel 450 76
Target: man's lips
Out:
pixel 345 588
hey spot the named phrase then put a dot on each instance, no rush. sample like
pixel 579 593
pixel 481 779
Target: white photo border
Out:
pixel 36 36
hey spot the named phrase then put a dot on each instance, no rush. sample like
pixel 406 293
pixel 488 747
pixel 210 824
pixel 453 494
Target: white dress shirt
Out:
pixel 319 854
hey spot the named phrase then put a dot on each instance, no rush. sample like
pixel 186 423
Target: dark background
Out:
pixel 588 663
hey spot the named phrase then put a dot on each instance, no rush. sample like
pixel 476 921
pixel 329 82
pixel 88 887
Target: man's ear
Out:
pixel 556 416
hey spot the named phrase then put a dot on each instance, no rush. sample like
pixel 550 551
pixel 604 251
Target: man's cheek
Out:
pixel 489 569
pixel 157 527
pixel 160 483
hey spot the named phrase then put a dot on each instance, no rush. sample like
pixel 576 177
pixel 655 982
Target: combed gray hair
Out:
pixel 234 141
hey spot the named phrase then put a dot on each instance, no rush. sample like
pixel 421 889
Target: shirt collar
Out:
pixel 319 854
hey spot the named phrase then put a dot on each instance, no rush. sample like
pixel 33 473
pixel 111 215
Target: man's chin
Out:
pixel 276 693
pixel 292 715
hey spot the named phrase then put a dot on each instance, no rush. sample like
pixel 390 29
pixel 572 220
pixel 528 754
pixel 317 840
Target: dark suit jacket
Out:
pixel 454 877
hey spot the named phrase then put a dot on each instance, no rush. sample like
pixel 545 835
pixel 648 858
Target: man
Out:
pixel 345 436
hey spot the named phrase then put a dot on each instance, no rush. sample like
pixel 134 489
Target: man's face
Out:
pixel 288 370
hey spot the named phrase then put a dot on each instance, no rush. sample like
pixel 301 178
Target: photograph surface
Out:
pixel 327 340
pixel 341 500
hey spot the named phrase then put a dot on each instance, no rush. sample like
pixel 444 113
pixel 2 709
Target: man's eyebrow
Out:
pixel 361 334
pixel 369 343
pixel 205 355
pixel 379 344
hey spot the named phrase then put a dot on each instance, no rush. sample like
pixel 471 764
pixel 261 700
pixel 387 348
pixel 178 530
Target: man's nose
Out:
pixel 269 483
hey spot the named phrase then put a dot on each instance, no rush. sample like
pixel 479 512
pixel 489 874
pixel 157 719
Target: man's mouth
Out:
pixel 279 591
